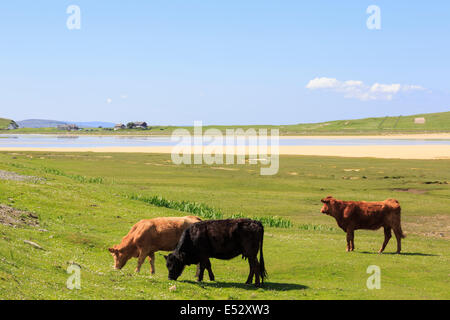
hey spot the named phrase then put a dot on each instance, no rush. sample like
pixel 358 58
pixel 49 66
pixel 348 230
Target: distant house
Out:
pixel 419 120
pixel 68 127
pixel 140 125
pixel 137 125
pixel 12 126
pixel 119 126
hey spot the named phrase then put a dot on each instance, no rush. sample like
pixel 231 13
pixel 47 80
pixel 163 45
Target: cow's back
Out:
pixel 223 239
pixel 371 215
pixel 161 233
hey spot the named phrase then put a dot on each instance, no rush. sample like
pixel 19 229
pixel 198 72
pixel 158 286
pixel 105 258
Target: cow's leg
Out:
pixel 141 260
pixel 201 271
pixel 208 267
pixel 398 234
pixel 254 269
pixel 252 272
pixel 350 241
pixel 197 273
pixel 151 259
pixel 387 236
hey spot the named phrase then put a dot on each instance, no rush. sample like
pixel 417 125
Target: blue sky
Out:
pixel 223 62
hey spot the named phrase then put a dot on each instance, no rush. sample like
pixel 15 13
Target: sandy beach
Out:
pixel 391 151
pixel 376 151
pixel 419 136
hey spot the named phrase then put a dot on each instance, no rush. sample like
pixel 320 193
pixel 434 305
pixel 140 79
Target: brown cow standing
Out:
pixel 148 236
pixel 354 215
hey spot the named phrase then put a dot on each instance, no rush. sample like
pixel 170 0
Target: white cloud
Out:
pixel 322 83
pixel 386 88
pixel 413 87
pixel 355 89
pixel 108 101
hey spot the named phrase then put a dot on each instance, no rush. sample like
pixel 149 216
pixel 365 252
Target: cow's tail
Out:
pixel 396 206
pixel 262 268
pixel 402 235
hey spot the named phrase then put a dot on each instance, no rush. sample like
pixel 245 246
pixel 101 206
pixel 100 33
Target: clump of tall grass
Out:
pixel 75 177
pixel 268 221
pixel 198 209
pixel 316 227
pixel 18 165
pixel 204 211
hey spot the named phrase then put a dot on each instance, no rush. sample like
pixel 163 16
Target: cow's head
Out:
pixel 328 205
pixel 175 266
pixel 120 258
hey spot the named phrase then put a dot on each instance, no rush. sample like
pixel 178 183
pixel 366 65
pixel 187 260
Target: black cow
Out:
pixel 220 239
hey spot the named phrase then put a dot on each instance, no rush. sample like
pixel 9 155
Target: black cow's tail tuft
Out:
pixel 262 268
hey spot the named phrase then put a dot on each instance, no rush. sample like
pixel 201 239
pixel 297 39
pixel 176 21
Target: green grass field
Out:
pixel 435 122
pixel 86 204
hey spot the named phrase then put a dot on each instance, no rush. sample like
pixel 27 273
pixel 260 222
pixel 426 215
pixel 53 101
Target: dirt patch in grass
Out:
pixel 12 176
pixel 434 226
pixel 413 191
pixel 13 217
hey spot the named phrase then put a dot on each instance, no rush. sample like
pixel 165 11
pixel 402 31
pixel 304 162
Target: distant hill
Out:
pixel 6 123
pixel 41 123
pixel 433 122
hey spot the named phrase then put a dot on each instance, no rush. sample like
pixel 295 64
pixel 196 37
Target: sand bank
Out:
pixel 376 151
pixel 418 136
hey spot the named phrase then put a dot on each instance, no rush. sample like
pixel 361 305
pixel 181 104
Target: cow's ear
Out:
pixel 327 199
pixel 112 250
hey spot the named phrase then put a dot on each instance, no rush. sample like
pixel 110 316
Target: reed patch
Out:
pixel 204 211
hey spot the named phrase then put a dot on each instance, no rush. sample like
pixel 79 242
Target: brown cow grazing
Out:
pixel 148 236
pixel 354 215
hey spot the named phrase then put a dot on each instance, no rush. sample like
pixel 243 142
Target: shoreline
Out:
pixel 393 136
pixel 418 152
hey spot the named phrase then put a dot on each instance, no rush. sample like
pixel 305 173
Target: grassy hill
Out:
pixel 4 123
pixel 435 122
